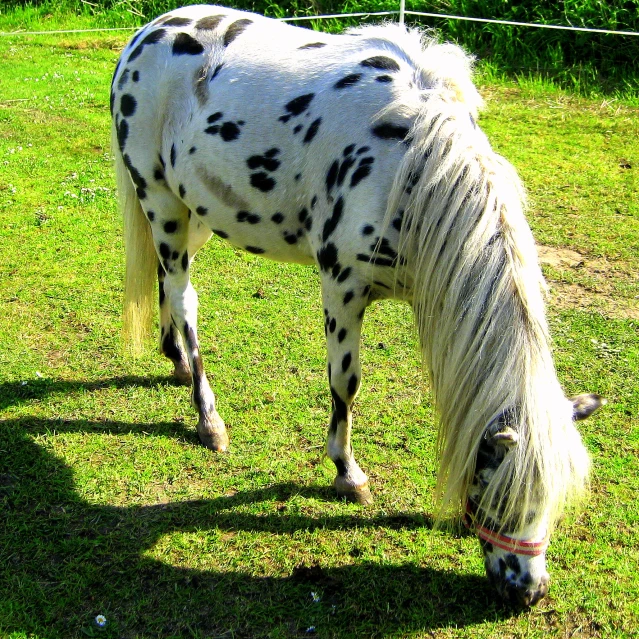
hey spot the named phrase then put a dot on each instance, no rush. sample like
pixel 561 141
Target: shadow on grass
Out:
pixel 63 561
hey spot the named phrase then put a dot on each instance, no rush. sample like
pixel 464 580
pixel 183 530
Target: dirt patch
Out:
pixel 578 281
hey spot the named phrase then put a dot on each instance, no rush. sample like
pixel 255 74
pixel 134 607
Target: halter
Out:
pixel 530 548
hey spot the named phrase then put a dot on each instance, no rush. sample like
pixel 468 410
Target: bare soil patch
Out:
pixel 578 281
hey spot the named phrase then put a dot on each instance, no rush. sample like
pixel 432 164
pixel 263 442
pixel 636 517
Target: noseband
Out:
pixel 530 548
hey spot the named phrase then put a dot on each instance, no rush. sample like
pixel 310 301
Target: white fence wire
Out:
pixel 401 13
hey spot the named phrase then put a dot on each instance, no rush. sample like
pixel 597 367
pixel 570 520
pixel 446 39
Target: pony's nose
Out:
pixel 526 595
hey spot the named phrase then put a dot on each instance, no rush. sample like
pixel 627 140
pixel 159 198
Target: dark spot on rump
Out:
pixel 300 104
pixel 331 176
pixel 313 201
pixel 165 251
pixel 290 238
pixel 268 162
pixel 312 130
pixel 344 169
pixel 201 210
pixel 374 259
pixel 255 249
pixel 346 362
pixel 229 131
pixel 364 149
pixel 343 276
pixel 138 180
pixel 185 261
pixel 352 384
pixel 223 234
pixel 313 45
pixel 384 78
pixel 381 62
pixel 278 218
pixel 341 335
pixel 367 229
pixel 331 224
pixel 153 38
pixel 158 174
pixel 235 30
pixel 327 256
pixel 123 79
pixel 209 22
pixel 245 216
pixel 349 149
pixel 359 174
pixel 192 150
pixel 214 117
pixel 262 182
pixel 348 297
pixel 136 76
pixel 302 215
pixel 123 133
pixel 171 226
pixel 348 81
pixel 388 131
pixel 150 215
pixel 181 190
pixel 297 129
pixel 176 22
pixel 173 155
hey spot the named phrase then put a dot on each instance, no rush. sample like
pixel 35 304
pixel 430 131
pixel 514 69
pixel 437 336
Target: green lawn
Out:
pixel 109 506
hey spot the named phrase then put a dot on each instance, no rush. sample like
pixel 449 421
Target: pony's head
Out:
pixel 514 553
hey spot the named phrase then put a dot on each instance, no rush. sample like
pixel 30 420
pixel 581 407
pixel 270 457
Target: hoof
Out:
pixel 213 433
pixel 354 494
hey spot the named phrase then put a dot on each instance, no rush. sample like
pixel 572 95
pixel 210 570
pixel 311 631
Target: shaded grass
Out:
pixel 109 506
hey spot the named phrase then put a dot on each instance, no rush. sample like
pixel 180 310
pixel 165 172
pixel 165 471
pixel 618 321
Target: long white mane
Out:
pixel 478 298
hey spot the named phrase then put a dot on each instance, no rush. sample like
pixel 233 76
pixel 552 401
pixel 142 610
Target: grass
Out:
pixel 109 506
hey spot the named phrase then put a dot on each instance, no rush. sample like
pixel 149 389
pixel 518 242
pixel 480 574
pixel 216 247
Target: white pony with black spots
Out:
pixel 359 153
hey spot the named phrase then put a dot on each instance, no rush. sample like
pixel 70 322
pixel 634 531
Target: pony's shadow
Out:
pixel 80 559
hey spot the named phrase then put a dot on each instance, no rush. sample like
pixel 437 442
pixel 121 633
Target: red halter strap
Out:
pixel 530 548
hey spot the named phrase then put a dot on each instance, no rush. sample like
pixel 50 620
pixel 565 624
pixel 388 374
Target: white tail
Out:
pixel 141 259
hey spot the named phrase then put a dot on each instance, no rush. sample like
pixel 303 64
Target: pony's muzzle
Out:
pixel 521 593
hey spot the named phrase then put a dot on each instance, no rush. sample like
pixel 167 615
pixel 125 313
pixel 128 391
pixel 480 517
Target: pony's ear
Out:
pixel 506 437
pixel 585 405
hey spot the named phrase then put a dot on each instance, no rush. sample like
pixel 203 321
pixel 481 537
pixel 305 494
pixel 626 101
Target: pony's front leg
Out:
pixel 343 313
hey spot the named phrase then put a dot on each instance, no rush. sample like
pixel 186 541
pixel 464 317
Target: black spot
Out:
pixel 235 30
pixel 344 169
pixel 255 249
pixel 201 210
pixel 340 409
pixel 171 226
pixel 173 155
pixel 367 229
pixel 366 290
pixel 332 325
pixel 192 150
pixel 352 385
pixel 331 224
pixel 262 182
pixel 346 362
pixel 336 270
pixel 290 238
pixel 381 62
pixel 212 130
pixel 150 215
pixel 302 215
pixel 313 201
pixel 297 105
pixel 297 129
pixel 124 78
pixel 185 261
pixel 327 256
pixel 340 465
pixel 374 259
pixel 389 131
pixel 384 78
pixel 278 218
pixel 214 117
pixel 364 149
pixel 138 180
pixel 266 161
pixel 348 81
pixel 162 162
pixel 344 275
pixel 176 22
pixel 313 45
pixel 298 177
pixel 136 76
pixel 111 102
pixel 341 335
pixel 158 174
pixel 331 176
pixel 512 561
pixel 165 250
pixel 245 216
pixel 153 38
pixel 181 190
pixel 222 234
pixel 349 149
pixel 348 297
pixel 170 347
pixel 361 172
pixel 229 131
pixel 123 133
pixel 209 22
pixel 312 130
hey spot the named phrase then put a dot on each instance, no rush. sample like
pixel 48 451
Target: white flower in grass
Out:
pixel 315 597
pixel 100 621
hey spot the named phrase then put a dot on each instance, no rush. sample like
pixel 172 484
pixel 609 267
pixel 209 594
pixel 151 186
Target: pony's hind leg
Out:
pixel 343 312
pixel 171 344
pixel 169 220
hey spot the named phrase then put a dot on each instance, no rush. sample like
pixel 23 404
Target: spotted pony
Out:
pixel 358 153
